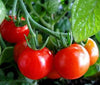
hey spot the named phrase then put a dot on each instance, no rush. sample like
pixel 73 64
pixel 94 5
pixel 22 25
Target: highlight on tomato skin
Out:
pixel 93 50
pixel 35 64
pixel 72 62
pixel 19 48
pixel 11 33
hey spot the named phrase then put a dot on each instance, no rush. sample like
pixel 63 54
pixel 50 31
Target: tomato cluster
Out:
pixel 70 63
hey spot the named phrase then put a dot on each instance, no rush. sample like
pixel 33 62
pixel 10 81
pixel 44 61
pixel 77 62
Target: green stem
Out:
pixel 24 8
pixel 28 23
pixel 45 23
pixel 2 42
pixel 63 39
pixel 40 27
pixel 52 19
pixel 27 41
pixel 14 8
pixel 41 19
pixel 45 43
pixel 32 33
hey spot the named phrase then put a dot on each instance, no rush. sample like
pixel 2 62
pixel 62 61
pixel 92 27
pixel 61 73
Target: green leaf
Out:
pixel 2 75
pixel 64 25
pixel 10 75
pixel 98 36
pixel 51 6
pixel 91 71
pixel 2 11
pixel 85 19
pixel 7 55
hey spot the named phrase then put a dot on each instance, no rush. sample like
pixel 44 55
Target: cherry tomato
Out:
pixel 53 74
pixel 35 64
pixel 19 48
pixel 11 33
pixel 93 51
pixel 72 62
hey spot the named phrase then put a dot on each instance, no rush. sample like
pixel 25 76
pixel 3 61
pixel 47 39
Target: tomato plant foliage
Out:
pixel 2 11
pixel 49 23
pixel 7 55
pixel 85 18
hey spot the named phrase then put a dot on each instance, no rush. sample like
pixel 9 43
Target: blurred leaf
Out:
pixel 85 19
pixel 51 6
pixel 38 9
pixel 7 55
pixel 64 25
pixel 8 4
pixel 2 75
pixel 3 83
pixel 29 1
pixel 91 71
pixel 2 11
pixel 98 36
pixel 0 50
pixel 10 75
pixel 28 80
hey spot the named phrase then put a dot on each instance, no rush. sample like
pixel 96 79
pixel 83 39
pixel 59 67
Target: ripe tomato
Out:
pixel 72 62
pixel 53 74
pixel 35 64
pixel 19 48
pixel 11 33
pixel 93 51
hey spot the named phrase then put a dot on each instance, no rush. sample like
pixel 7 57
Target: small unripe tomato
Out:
pixel 93 51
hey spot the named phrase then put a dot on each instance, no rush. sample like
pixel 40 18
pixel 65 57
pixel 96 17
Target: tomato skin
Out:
pixel 93 50
pixel 19 48
pixel 53 74
pixel 72 62
pixel 11 33
pixel 35 64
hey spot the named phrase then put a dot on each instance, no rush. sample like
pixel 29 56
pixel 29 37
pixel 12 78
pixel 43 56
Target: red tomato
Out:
pixel 72 62
pixel 35 64
pixel 11 33
pixel 53 74
pixel 19 48
pixel 93 51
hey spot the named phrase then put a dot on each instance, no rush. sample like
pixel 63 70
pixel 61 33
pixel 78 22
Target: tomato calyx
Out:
pixel 18 21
